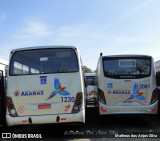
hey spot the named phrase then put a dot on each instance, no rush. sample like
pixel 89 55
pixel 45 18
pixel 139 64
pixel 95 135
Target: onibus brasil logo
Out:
pixel 58 89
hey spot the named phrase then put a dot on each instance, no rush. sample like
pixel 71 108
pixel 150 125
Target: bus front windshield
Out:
pixel 127 67
pixel 43 62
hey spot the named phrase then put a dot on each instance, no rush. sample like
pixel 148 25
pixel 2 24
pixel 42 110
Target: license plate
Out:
pixel 44 106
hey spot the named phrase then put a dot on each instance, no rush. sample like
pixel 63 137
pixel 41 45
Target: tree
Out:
pixel 86 69
pixel 95 71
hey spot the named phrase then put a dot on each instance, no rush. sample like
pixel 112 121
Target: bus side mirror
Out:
pixel 158 79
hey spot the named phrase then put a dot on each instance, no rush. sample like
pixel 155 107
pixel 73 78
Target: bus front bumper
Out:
pixel 46 119
pixel 146 109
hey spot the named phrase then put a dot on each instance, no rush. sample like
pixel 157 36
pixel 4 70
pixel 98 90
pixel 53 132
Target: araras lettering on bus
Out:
pixel 119 92
pixel 29 93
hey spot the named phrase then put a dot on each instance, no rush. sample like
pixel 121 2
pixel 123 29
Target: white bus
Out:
pixel 126 84
pixel 3 64
pixel 45 85
pixel 157 66
pixel 90 79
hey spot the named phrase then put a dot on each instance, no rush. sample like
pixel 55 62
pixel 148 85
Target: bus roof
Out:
pixel 42 47
pixel 128 55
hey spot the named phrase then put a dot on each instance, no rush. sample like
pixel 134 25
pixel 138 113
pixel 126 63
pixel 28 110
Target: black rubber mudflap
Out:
pixel 58 119
pixel 30 120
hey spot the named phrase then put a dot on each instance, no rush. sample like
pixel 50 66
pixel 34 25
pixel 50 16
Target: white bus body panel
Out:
pixel 128 109
pixel 47 119
pixel 21 90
